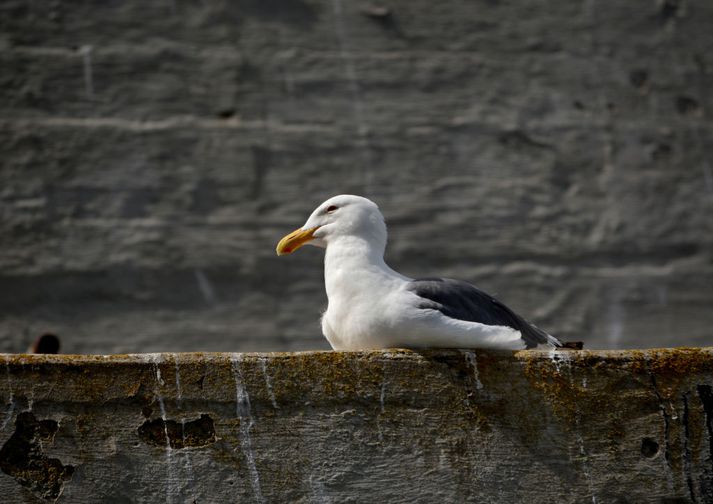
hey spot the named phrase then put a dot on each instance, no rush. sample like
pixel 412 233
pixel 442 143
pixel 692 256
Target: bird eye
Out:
pixel 332 208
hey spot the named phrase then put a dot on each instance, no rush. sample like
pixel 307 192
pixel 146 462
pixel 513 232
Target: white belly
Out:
pixel 356 326
pixel 343 333
pixel 361 302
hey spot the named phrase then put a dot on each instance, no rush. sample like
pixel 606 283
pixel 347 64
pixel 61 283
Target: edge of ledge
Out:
pixel 433 376
pixel 569 355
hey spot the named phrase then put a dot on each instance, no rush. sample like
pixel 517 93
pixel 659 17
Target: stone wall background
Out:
pixel 556 154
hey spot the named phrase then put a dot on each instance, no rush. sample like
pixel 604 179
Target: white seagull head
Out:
pixel 341 218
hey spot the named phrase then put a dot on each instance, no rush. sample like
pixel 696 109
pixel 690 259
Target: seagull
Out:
pixel 371 306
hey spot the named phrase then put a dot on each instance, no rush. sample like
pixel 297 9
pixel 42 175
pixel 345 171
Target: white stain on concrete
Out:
pixel 244 413
pixel 268 383
pixel 171 489
pixel 472 361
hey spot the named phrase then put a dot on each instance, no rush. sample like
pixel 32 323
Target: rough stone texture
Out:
pixel 556 153
pixel 395 426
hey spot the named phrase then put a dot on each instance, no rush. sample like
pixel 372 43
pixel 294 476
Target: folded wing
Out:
pixel 462 301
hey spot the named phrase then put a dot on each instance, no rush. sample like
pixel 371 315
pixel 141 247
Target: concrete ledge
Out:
pixel 398 426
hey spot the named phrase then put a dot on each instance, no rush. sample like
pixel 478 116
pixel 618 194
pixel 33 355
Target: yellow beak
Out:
pixel 295 240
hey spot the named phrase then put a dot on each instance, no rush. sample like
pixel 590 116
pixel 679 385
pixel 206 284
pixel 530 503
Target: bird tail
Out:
pixel 552 341
pixel 544 339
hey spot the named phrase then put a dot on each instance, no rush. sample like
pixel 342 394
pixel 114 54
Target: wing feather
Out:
pixel 463 301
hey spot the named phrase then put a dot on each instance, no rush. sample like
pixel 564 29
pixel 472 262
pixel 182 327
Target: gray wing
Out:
pixel 463 301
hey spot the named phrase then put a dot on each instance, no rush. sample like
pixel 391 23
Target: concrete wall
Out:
pixel 556 153
pixel 397 426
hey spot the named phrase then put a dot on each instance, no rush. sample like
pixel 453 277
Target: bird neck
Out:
pixel 354 261
pixel 354 252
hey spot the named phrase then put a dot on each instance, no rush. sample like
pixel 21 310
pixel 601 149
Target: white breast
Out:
pixel 361 305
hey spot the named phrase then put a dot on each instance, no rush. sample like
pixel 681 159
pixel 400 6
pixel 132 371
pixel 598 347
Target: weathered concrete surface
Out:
pixel 556 153
pixel 395 426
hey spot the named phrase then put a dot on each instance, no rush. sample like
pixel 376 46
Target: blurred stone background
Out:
pixel 555 153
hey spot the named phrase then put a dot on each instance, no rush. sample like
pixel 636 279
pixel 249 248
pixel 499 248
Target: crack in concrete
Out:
pixel 687 450
pixel 705 394
pixel 666 428
pixel 23 457
pixel 178 435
